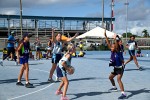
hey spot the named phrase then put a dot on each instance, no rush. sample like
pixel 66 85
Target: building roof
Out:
pixel 55 18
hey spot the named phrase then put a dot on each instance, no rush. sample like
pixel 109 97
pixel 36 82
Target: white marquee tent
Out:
pixel 97 32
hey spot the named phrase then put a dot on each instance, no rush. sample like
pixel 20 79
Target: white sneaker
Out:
pixel 1 63
pixel 113 90
pixel 57 79
pixel 16 63
pixel 8 58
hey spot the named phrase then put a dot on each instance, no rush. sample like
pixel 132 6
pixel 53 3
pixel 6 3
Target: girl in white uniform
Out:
pixel 132 46
pixel 62 69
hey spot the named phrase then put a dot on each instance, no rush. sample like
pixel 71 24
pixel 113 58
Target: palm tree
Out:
pixel 145 32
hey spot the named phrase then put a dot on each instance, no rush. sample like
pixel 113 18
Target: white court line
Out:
pixel 44 87
pixel 36 90
pixel 31 92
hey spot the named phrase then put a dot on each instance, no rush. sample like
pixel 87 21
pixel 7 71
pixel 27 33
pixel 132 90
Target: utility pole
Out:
pixel 21 17
pixel 127 3
pixel 112 14
pixel 102 13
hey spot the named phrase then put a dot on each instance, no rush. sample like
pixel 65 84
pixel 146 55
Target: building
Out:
pixel 41 26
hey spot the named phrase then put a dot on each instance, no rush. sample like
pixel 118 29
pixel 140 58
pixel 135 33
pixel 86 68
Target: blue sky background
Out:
pixel 139 11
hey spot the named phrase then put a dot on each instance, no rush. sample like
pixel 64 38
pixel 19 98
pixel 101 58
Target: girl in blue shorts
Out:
pixel 132 46
pixel 23 57
pixel 58 44
pixel 62 69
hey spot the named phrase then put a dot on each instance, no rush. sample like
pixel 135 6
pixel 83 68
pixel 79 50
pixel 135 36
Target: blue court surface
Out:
pixel 89 82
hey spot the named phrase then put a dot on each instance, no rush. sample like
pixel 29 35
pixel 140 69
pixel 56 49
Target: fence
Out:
pixel 142 42
pixel 3 43
pixel 44 40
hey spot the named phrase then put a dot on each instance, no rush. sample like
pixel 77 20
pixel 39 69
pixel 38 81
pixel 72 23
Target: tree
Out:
pixel 145 32
pixel 128 34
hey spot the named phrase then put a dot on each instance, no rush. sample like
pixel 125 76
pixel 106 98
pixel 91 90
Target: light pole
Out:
pixel 102 13
pixel 127 3
pixel 112 14
pixel 21 17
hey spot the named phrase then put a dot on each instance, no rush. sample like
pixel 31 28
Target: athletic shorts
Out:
pixel 49 48
pixel 4 55
pixel 24 60
pixel 117 71
pixel 56 58
pixel 38 49
pixel 11 50
pixel 131 52
pixel 61 72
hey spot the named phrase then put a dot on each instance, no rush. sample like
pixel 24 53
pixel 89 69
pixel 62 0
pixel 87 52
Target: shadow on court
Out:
pixel 29 64
pixel 72 80
pixel 144 60
pixel 85 79
pixel 144 69
pixel 137 92
pixel 41 83
pixel 79 95
pixel 104 59
pixel 108 59
pixel 12 80
pixel 131 70
pixel 36 64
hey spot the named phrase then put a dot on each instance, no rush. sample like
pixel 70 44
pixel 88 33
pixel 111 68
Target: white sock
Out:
pixel 114 87
pixel 123 92
pixel 18 81
pixel 27 82
pixel 49 78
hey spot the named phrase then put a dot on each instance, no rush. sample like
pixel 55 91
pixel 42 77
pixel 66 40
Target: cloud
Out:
pixel 8 4
pixel 31 3
pixel 138 30
pixel 138 12
pixel 138 17
pixel 45 2
pixel 8 11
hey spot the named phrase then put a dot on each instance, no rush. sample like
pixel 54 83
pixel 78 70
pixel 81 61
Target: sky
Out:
pixel 138 11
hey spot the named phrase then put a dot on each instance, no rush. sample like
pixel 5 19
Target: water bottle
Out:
pixel 147 55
